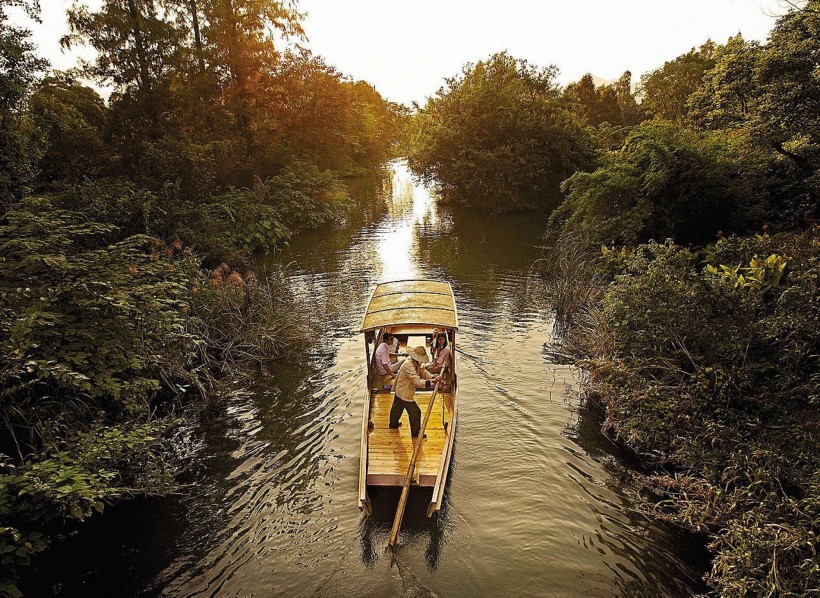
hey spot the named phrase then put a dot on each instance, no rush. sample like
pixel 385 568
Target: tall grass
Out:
pixel 244 321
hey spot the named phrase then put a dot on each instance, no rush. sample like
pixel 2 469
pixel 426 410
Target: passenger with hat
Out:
pixel 410 377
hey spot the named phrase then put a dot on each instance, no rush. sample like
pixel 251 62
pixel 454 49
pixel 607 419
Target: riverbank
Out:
pixel 109 346
pixel 705 365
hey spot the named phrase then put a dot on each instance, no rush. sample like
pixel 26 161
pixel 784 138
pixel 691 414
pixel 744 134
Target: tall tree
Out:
pixel 137 48
pixel 729 91
pixel 788 80
pixel 500 136
pixel 72 118
pixel 630 114
pixel 598 105
pixel 239 49
pixel 666 90
pixel 19 67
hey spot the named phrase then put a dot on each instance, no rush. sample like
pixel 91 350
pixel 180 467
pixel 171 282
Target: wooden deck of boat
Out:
pixel 389 451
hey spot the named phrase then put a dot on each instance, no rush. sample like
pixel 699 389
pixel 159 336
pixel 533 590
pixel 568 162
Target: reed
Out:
pixel 244 321
pixel 573 279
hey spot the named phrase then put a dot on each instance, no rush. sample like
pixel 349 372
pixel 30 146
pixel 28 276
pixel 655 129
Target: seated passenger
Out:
pixel 442 355
pixel 385 369
pixel 394 349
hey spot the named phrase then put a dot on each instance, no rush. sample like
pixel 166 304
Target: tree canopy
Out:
pixel 500 136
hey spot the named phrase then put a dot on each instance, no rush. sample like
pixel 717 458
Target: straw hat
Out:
pixel 418 353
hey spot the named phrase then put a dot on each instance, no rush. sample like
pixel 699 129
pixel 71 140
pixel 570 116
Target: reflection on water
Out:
pixel 531 508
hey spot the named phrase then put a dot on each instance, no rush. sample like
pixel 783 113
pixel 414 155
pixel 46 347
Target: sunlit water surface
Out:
pixel 534 505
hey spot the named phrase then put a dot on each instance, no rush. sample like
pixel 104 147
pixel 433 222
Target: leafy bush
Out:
pixel 712 375
pixel 306 197
pixel 100 339
pixel 301 198
pixel 82 319
pixel 665 182
pixel 16 549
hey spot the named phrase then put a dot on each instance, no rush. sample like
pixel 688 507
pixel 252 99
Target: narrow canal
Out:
pixel 535 505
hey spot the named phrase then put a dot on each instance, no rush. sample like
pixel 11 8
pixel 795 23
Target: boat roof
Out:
pixel 428 302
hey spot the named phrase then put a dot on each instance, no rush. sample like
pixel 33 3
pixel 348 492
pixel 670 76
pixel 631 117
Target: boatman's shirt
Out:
pixel 383 359
pixel 409 378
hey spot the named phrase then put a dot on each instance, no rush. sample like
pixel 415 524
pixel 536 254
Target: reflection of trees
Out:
pixel 329 280
pixel 684 551
pixel 477 250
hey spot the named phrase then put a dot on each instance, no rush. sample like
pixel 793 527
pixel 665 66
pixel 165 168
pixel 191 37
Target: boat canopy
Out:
pixel 426 302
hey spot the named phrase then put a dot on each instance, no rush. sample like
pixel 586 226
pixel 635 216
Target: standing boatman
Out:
pixel 411 376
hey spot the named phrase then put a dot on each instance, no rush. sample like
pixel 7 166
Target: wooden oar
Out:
pixel 405 490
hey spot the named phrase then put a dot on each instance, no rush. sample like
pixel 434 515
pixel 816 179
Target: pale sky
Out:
pixel 407 48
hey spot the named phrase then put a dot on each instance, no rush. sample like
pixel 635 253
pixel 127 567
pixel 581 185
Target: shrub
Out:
pixel 712 376
pixel 665 182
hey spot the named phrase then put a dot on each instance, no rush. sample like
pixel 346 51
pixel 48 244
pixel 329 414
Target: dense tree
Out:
pixel 137 50
pixel 630 112
pixel 664 183
pixel 788 82
pixel 767 96
pixel 728 93
pixel 19 66
pixel 666 90
pixel 500 136
pixel 73 119
pixel 598 105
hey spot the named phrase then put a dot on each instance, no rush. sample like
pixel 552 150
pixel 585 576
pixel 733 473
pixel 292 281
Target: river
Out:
pixel 535 504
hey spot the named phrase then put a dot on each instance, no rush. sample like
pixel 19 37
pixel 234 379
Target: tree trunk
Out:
pixel 139 42
pixel 197 35
pixel 801 162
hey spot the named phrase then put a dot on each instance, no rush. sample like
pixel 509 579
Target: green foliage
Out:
pixel 765 96
pixel 94 337
pixel 728 93
pixel 666 90
pixel 761 274
pixel 712 376
pixel 788 84
pixel 100 338
pixel 665 182
pixel 102 322
pixel 73 479
pixel 16 549
pixel 499 137
pixel 72 118
pixel 19 141
pixel 306 197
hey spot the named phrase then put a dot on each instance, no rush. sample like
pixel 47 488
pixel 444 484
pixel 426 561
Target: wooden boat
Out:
pixel 410 310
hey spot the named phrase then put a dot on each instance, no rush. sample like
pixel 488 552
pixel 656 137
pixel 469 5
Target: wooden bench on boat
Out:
pixel 410 310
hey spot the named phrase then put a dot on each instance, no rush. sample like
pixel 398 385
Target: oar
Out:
pixel 405 490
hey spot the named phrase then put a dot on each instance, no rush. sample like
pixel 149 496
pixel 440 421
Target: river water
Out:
pixel 535 505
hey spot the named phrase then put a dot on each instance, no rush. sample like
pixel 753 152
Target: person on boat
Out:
pixel 442 355
pixel 394 349
pixel 384 368
pixel 410 377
